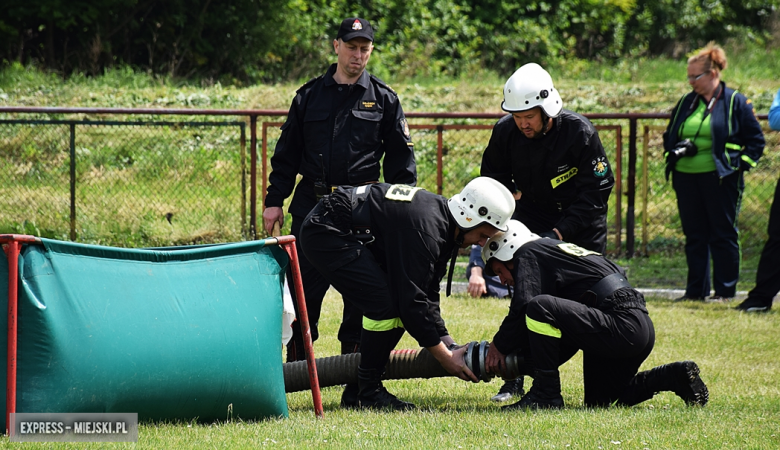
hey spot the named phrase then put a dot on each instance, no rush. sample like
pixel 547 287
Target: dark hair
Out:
pixel 712 56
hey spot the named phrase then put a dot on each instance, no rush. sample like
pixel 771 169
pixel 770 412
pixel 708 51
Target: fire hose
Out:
pixel 403 364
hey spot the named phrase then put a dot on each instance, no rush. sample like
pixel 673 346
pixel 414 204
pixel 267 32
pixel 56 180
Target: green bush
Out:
pixel 245 41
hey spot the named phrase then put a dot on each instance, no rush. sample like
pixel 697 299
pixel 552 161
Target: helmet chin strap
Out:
pixel 546 121
pixel 458 243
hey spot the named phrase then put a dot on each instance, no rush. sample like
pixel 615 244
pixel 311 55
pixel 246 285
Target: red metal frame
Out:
pixel 12 246
pixel 288 243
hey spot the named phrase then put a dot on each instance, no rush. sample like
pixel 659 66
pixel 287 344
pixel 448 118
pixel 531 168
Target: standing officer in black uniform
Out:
pixel 385 248
pixel 338 128
pixel 568 298
pixel 760 298
pixel 554 159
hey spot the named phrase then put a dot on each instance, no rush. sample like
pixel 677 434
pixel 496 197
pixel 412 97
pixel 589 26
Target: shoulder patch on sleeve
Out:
pixel 600 167
pixel 405 128
pixel 401 192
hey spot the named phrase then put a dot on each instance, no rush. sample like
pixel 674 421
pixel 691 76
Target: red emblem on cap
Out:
pixel 356 25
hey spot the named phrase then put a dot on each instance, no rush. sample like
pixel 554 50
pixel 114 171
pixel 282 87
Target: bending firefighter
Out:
pixel 567 298
pixel 385 248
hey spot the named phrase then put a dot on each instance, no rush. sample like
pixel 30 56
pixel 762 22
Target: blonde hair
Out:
pixel 712 57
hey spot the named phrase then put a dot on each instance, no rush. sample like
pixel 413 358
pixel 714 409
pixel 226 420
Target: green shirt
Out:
pixel 697 128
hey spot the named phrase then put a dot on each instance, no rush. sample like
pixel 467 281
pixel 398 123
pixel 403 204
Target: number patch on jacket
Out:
pixel 401 192
pixel 576 250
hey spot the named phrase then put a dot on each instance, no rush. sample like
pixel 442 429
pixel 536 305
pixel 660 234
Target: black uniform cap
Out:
pixel 355 27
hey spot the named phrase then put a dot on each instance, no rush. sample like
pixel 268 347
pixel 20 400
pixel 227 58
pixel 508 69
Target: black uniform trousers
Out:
pixel 315 286
pixel 614 343
pixel 709 206
pixel 352 269
pixel 768 276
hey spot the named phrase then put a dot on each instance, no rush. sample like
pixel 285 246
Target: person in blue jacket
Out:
pixel 713 137
pixel 768 276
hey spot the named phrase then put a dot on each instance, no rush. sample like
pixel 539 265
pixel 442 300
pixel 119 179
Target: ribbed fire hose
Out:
pixel 402 365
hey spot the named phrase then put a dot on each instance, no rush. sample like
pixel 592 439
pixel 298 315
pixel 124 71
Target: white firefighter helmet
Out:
pixel 531 86
pixel 483 200
pixel 503 245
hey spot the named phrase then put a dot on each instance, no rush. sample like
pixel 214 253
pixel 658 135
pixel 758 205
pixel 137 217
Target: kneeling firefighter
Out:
pixel 385 248
pixel 567 298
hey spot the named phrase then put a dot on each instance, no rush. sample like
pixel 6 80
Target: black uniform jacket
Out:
pixel 565 171
pixel 552 267
pixel 338 134
pixel 414 234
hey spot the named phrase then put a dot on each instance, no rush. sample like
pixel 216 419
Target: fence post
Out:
pixel 631 192
pixel 253 176
pixel 242 150
pixel 72 181
pixel 439 159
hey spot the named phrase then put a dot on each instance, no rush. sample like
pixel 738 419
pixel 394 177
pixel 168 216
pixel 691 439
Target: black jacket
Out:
pixel 414 242
pixel 564 175
pixel 351 127
pixel 552 267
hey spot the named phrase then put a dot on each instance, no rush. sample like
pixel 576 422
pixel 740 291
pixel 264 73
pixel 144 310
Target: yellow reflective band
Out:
pixel 542 328
pixel 381 325
pixel 748 160
pixel 560 179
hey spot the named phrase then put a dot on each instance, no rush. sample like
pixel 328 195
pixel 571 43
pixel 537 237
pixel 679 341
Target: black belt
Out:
pixel 361 214
pixel 321 189
pixel 607 286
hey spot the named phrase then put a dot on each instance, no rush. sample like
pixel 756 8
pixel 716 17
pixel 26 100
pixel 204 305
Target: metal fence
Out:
pixel 173 177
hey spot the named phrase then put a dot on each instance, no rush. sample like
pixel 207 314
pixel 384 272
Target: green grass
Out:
pixel 737 354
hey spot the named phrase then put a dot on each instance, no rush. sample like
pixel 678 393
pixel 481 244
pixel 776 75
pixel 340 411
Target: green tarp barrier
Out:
pixel 170 334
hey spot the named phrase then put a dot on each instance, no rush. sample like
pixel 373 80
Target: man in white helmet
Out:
pixel 386 248
pixel 553 160
pixel 565 299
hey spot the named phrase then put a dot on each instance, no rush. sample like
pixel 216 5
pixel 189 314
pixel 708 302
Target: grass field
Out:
pixel 737 354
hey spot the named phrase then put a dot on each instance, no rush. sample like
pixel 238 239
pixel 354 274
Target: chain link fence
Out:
pixel 124 183
pixel 175 180
pixel 658 221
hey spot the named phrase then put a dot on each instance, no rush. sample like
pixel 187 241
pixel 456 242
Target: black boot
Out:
pixel 511 388
pixel 372 393
pixel 349 398
pixel 545 393
pixel 753 304
pixel 681 377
